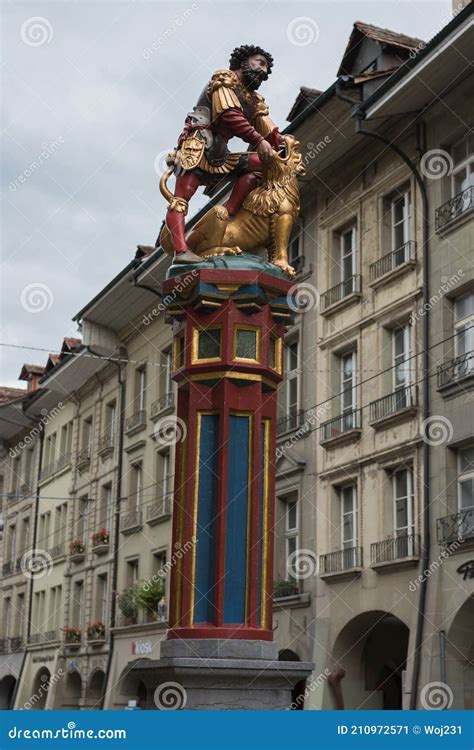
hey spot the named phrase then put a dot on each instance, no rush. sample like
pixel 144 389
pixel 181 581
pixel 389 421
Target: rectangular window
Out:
pixel 132 572
pixel 348 245
pixel 7 610
pixel 291 534
pixel 292 383
pixel 136 486
pixel 403 512
pixel 348 389
pixel 106 507
pixel 101 604
pixel 110 419
pixel 87 436
pixel 462 176
pixel 401 359
pixel 464 325
pixel 78 604
pixel 466 480
pixel 20 611
pixel 82 524
pixel 349 534
pixel 400 220
pixel 140 389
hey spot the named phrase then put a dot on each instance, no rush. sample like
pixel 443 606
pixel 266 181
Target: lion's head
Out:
pixel 279 184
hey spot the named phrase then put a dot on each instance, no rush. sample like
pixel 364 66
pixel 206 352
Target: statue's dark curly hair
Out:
pixel 242 53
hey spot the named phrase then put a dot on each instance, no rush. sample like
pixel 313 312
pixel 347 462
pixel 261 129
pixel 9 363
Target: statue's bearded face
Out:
pixel 254 71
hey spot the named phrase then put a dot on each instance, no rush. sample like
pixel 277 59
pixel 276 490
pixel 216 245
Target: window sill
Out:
pixel 398 564
pixel 395 417
pixel 291 602
pixel 341 575
pixel 394 273
pixel 343 437
pixel 347 301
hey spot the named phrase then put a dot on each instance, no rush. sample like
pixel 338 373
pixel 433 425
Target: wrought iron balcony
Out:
pixel 135 422
pixel 13 496
pixel 131 521
pixel 389 406
pixel 63 461
pixel 58 550
pixel 340 426
pixel 337 293
pixel 456 369
pixel 163 403
pixel 387 263
pixel 291 422
pixel 397 548
pixel 4 645
pixel 7 568
pixel 16 642
pixel 106 443
pixel 48 637
pixel 340 561
pixel 83 458
pixel 458 206
pixel 456 528
pixel 26 489
pixel 160 509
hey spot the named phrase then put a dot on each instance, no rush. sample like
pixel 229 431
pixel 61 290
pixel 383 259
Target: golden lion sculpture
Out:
pixel 264 221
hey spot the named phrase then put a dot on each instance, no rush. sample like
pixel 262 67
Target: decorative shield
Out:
pixel 190 152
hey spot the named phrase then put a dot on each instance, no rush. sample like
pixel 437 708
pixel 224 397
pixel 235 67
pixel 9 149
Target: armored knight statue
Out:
pixel 264 199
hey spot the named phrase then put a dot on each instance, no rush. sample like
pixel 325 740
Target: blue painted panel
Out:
pixel 206 520
pixel 236 531
pixel 260 523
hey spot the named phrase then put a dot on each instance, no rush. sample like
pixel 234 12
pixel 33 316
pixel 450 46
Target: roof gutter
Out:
pixel 359 116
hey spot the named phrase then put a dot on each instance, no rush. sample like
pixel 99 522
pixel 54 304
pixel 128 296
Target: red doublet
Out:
pixel 231 123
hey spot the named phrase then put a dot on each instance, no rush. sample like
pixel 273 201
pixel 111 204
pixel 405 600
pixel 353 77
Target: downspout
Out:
pixel 120 447
pixel 425 547
pixel 30 600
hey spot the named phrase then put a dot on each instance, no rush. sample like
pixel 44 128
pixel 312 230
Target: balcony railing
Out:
pixel 47 637
pixel 343 559
pixel 131 521
pixel 163 403
pixel 290 422
pixel 452 209
pixel 388 406
pixel 16 642
pixel 404 254
pixel 456 369
pixel 106 443
pixel 83 457
pixel 58 550
pixel 160 508
pixel 352 285
pixel 135 421
pixel 391 550
pixel 341 425
pixel 7 568
pixel 4 645
pixel 456 528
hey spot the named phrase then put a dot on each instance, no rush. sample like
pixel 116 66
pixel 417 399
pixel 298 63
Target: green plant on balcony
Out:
pixel 77 547
pixel 96 631
pixel 128 603
pixel 72 635
pixel 285 588
pixel 150 593
pixel 100 537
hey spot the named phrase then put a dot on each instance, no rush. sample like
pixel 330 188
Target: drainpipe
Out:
pixel 113 604
pixel 425 547
pixel 30 600
pixel 442 656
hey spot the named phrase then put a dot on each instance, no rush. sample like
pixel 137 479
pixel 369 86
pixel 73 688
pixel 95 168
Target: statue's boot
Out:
pixel 175 221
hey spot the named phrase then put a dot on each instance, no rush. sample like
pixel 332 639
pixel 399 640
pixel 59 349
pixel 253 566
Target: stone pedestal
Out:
pixel 221 674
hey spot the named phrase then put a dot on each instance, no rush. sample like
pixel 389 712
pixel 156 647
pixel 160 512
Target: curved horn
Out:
pixel 164 189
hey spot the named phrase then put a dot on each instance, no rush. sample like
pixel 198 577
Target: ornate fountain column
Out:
pixel 229 317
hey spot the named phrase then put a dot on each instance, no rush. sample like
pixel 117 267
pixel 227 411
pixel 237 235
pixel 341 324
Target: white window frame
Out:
pixel 462 323
pixel 409 500
pixel 405 220
pixel 461 477
pixel 353 252
pixel 141 388
pixel 292 375
pixel 467 163
pixel 291 532
pixel 406 356
pixel 353 388
pixel 353 513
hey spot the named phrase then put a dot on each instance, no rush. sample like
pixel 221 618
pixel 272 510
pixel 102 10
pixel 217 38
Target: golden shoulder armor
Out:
pixel 226 78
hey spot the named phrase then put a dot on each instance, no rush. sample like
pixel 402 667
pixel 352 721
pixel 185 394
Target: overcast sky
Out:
pixel 93 93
